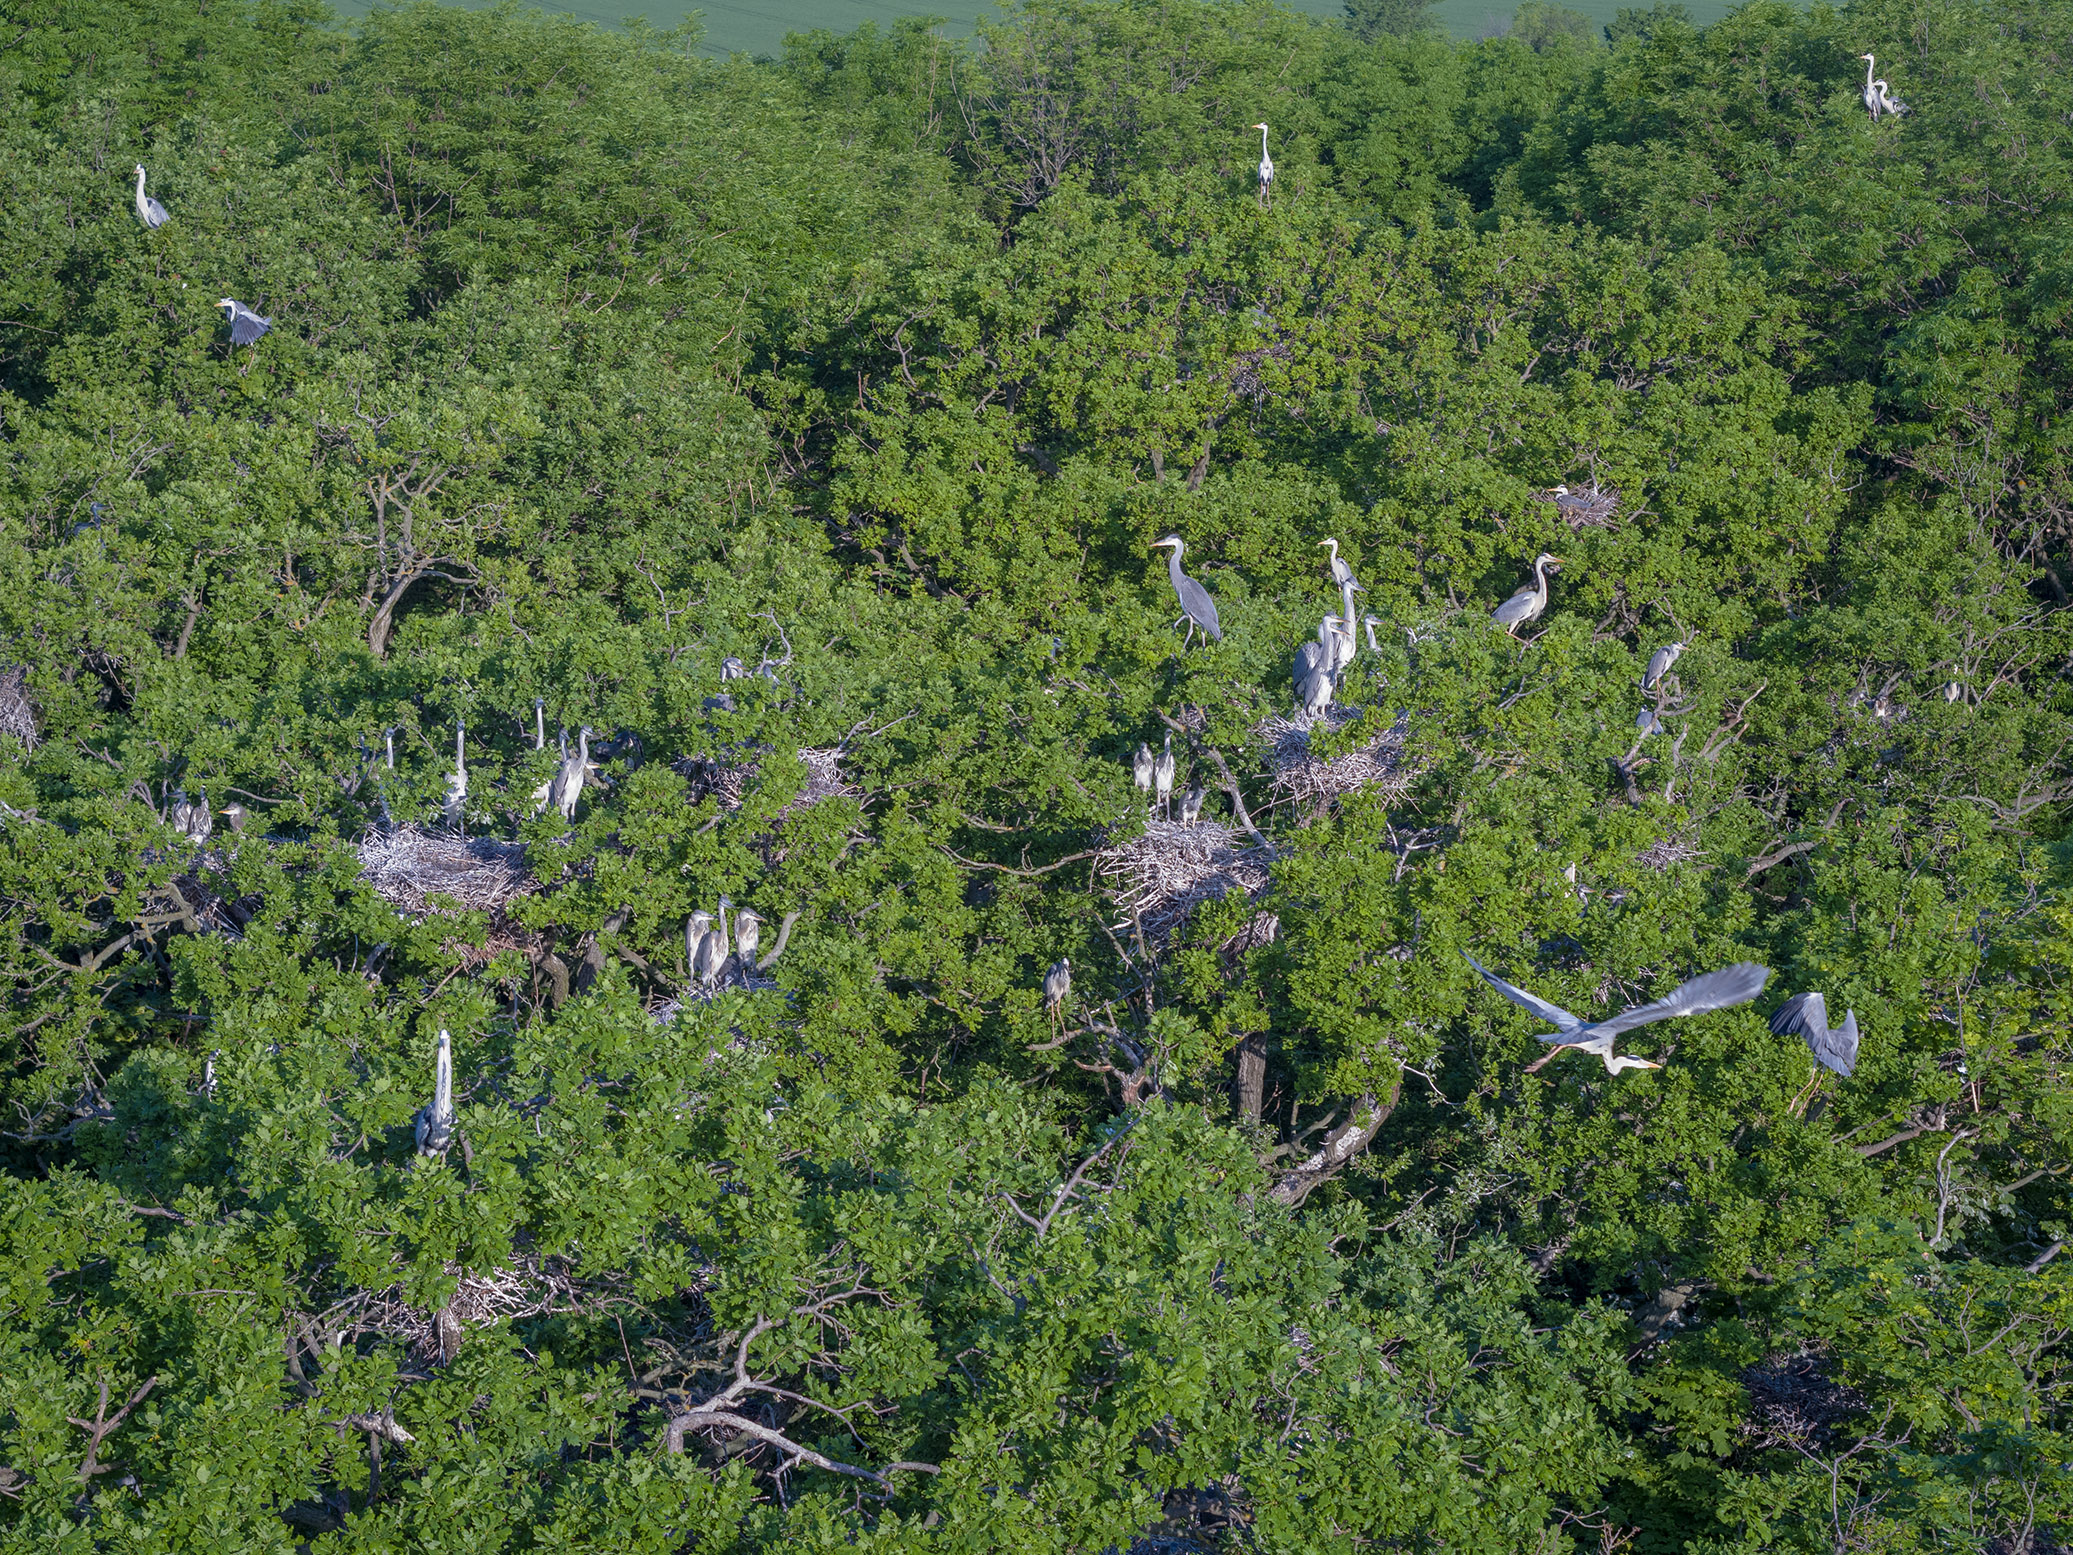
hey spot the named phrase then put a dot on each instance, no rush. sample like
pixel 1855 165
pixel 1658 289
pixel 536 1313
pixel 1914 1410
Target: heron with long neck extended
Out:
pixel 539 723
pixel 1162 777
pixel 1196 607
pixel 1141 768
pixel 1341 573
pixel 1371 622
pixel 457 780
pixel 1266 170
pixel 1350 644
pixel 149 211
pixel 434 1123
pixel 1878 97
pixel 1528 603
pixel 1721 990
pixel 748 934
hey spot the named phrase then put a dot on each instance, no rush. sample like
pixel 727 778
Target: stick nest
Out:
pixel 1665 851
pixel 17 714
pixel 1300 774
pixel 525 1285
pixel 408 866
pixel 1588 507
pixel 736 979
pixel 729 776
pixel 1162 876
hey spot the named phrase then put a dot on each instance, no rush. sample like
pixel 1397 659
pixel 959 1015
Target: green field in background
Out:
pixel 759 26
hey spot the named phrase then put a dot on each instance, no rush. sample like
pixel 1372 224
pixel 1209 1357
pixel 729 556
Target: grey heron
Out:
pixel 1721 990
pixel 1057 985
pixel 567 787
pixel 1266 170
pixel 696 927
pixel 1527 604
pixel 1805 1015
pixel 388 739
pixel 1162 777
pixel 1659 664
pixel 236 814
pixel 1141 767
pixel 1341 573
pixel 1191 803
pixel 149 211
pixel 209 1073
pixel 748 934
pixel 457 780
pixel 1953 691
pixel 1197 608
pixel 543 796
pixel 710 958
pixel 1878 96
pixel 1313 680
pixel 1646 723
pixel 732 668
pixel 1371 622
pixel 1888 101
pixel 434 1122
pixel 180 813
pixel 245 325
pixel 201 820
pixel 539 723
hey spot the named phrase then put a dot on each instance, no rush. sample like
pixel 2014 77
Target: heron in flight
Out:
pixel 434 1122
pixel 1528 603
pixel 1162 777
pixel 1659 664
pixel 1721 990
pixel 149 211
pixel 1805 1015
pixel 1341 573
pixel 1266 170
pixel 1197 608
pixel 567 787
pixel 245 326
pixel 1141 768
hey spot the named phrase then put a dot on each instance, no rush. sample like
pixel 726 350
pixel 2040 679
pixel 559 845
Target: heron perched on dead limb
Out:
pixel 1721 990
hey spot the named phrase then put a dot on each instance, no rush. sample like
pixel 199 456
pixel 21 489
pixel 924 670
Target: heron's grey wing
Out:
pixel 1201 609
pixel 1307 659
pixel 249 328
pixel 1721 990
pixel 1553 1014
pixel 1515 608
pixel 1658 662
pixel 1836 1049
pixel 1804 1015
pixel 154 213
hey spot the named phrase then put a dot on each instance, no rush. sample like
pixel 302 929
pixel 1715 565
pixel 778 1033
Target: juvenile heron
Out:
pixel 1805 1015
pixel 1530 601
pixel 1371 622
pixel 1162 777
pixel 1348 645
pixel 1659 664
pixel 543 796
pixel 731 668
pixel 1197 608
pixel 1191 803
pixel 567 787
pixel 748 934
pixel 236 815
pixel 1313 680
pixel 201 820
pixel 434 1122
pixel 539 723
pixel 1721 990
pixel 1341 573
pixel 1878 96
pixel 1057 984
pixel 457 780
pixel 245 325
pixel 696 928
pixel 1646 723
pixel 180 813
pixel 1141 767
pixel 710 958
pixel 149 211
pixel 1266 170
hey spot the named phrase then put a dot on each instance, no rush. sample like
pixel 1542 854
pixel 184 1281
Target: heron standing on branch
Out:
pixel 568 782
pixel 1057 986
pixel 1530 601
pixel 149 211
pixel 1659 664
pixel 1878 96
pixel 1721 990
pixel 1266 170
pixel 1196 607
pixel 1341 573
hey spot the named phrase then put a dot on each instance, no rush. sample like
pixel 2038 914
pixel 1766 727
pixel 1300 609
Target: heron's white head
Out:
pixel 1173 540
pixel 1261 125
pixel 1330 545
pixel 1561 491
pixel 140 169
pixel 1552 563
pixel 225 302
pixel 1867 59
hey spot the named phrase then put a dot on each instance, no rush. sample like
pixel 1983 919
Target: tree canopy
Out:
pixel 792 436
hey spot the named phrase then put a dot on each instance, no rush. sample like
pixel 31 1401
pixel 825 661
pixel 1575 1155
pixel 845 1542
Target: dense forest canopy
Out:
pixel 390 1165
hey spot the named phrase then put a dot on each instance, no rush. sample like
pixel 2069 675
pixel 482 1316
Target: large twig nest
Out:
pixel 1587 507
pixel 409 866
pixel 1665 851
pixel 17 714
pixel 1301 774
pixel 525 1285
pixel 729 775
pixel 1160 877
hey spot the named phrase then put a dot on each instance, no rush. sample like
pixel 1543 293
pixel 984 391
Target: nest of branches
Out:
pixel 736 979
pixel 1162 876
pixel 1793 1400
pixel 729 776
pixel 1666 851
pixel 1299 773
pixel 409 866
pixel 17 714
pixel 1588 507
pixel 525 1285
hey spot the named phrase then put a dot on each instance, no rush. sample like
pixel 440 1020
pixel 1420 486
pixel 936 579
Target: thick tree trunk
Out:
pixel 1249 1086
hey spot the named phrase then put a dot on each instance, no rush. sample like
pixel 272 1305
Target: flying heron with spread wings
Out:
pixel 1721 990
